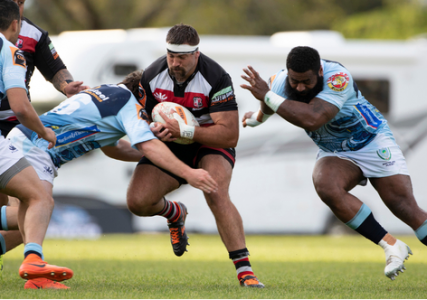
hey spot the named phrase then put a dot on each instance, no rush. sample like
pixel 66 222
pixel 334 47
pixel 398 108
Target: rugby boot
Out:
pixel 395 256
pixel 45 284
pixel 34 267
pixel 179 239
pixel 251 281
pixel 1 266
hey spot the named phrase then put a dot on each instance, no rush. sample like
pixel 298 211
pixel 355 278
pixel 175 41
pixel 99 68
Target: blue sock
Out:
pixel 2 245
pixel 421 233
pixel 33 248
pixel 365 224
pixel 3 219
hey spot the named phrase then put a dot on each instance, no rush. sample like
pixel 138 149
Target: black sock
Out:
pixel 371 229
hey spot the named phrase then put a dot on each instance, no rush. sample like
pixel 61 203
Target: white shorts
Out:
pixel 38 158
pixel 9 157
pixel 380 158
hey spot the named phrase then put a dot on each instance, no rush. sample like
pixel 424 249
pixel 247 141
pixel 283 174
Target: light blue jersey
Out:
pixel 12 67
pixel 357 123
pixel 92 119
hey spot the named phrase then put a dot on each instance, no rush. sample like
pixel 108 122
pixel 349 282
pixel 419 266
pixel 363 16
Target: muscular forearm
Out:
pixel 217 136
pixel 60 79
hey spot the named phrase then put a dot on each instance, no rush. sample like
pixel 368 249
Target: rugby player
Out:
pixel 17 177
pixel 355 143
pixel 188 77
pixel 99 118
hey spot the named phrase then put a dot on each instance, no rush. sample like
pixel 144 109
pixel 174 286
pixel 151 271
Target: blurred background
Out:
pixel 383 43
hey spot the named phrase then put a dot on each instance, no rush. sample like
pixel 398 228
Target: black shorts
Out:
pixel 191 156
pixel 7 126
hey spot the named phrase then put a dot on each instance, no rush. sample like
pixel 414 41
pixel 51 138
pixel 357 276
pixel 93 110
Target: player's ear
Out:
pixel 15 26
pixel 321 70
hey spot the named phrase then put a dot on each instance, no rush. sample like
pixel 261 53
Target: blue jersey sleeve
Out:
pixel 131 119
pixel 14 67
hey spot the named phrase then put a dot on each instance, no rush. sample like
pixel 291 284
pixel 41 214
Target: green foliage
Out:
pixel 143 266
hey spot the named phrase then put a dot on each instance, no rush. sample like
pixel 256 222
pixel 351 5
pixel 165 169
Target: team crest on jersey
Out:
pixel 197 102
pixel 142 113
pixel 18 57
pixel 19 43
pixel 338 82
pixel 384 153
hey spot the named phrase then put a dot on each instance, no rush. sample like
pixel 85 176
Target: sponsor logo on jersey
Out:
pixel 18 57
pixel 97 94
pixel 160 96
pixel 224 95
pixel 384 153
pixel 338 82
pixel 198 102
pixel 370 118
pixel 19 43
pixel 75 135
pixel 53 51
pixel 389 163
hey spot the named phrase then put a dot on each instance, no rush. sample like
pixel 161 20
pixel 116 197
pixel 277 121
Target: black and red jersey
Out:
pixel 39 53
pixel 208 90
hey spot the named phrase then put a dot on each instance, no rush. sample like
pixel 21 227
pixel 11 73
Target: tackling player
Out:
pixel 99 118
pixel 355 143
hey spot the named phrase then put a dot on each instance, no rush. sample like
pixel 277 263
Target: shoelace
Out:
pixel 250 280
pixel 175 235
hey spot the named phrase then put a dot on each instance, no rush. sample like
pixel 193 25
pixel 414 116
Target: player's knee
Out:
pixel 217 200
pixel 328 194
pixel 138 205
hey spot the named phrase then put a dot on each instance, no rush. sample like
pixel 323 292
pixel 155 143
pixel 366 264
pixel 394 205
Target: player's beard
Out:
pixel 178 73
pixel 293 94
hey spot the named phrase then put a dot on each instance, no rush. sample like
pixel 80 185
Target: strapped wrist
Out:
pixel 273 100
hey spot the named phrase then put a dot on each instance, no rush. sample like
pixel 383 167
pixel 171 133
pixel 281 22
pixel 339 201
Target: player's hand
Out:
pixel 74 87
pixel 171 124
pixel 253 119
pixel 200 179
pixel 258 87
pixel 161 132
pixel 50 136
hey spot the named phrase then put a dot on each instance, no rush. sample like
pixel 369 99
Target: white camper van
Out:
pixel 271 184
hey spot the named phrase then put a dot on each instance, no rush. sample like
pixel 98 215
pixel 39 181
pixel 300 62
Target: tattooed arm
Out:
pixel 63 82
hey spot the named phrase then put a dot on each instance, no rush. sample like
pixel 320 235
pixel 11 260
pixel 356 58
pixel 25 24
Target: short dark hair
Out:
pixel 131 81
pixel 9 12
pixel 183 34
pixel 303 58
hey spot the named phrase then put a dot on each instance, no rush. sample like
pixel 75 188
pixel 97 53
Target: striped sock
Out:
pixel 241 262
pixel 170 211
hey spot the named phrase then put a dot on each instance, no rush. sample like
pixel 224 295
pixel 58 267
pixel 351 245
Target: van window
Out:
pixel 123 70
pixel 376 91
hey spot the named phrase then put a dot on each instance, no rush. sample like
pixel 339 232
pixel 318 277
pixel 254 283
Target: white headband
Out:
pixel 183 48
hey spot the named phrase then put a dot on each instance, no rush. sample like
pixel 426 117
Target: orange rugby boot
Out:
pixel 34 267
pixel 45 284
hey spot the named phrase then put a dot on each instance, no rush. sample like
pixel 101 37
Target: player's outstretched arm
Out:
pixel 122 151
pixel 160 155
pixel 28 117
pixel 309 116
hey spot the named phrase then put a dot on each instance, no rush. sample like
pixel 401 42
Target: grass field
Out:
pixel 144 266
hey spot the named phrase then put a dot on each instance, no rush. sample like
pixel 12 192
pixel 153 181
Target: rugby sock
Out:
pixel 365 224
pixel 421 233
pixel 170 211
pixel 33 248
pixel 3 219
pixel 2 245
pixel 241 262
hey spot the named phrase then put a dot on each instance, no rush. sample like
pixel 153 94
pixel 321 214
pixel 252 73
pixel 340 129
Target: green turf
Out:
pixel 143 266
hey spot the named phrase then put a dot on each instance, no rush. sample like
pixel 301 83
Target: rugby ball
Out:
pixel 168 108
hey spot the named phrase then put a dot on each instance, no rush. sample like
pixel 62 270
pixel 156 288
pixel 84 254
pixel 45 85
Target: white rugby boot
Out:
pixel 395 256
